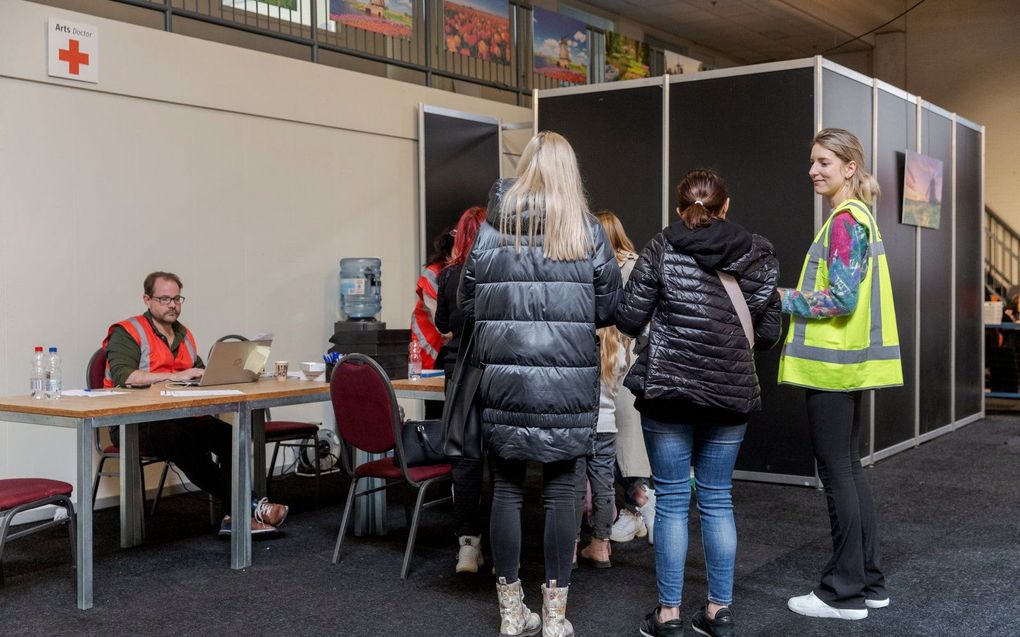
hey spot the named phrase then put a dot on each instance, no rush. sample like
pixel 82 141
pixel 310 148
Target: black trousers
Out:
pixel 854 573
pixel 188 443
pixel 467 495
pixel 560 517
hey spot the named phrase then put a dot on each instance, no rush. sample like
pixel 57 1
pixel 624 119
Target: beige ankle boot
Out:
pixel 515 618
pixel 554 611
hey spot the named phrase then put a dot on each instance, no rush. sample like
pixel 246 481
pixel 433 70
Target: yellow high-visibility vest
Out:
pixel 845 353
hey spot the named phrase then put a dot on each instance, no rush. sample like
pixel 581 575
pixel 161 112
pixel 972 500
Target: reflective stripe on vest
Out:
pixel 845 353
pixel 154 354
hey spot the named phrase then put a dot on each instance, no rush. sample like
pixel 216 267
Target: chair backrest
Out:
pixel 364 405
pixel 95 371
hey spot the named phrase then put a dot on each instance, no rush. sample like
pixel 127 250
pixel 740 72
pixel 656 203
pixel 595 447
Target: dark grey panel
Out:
pixel 756 130
pixel 969 330
pixel 461 163
pixel 897 132
pixel 936 283
pixel 617 136
pixel 846 103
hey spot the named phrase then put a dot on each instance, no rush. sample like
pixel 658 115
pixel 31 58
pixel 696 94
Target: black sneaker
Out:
pixel 652 627
pixel 721 626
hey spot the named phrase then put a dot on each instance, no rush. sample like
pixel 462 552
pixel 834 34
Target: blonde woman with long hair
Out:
pixel 540 279
pixel 842 341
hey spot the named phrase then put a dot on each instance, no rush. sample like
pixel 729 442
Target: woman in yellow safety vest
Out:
pixel 843 340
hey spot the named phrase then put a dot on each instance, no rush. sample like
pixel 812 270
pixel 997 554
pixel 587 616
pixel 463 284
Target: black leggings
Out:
pixel 560 517
pixel 853 573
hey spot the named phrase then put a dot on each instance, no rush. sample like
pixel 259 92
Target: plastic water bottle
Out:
pixel 414 360
pixel 38 378
pixel 53 380
pixel 361 288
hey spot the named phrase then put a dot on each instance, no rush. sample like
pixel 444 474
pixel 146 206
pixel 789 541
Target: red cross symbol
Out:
pixel 73 57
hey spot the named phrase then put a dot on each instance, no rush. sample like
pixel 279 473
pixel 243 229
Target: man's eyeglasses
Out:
pixel 167 300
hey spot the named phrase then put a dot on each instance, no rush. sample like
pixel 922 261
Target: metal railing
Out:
pixel 421 58
pixel 1002 254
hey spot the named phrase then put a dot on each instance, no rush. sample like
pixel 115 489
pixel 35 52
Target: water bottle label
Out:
pixel 352 286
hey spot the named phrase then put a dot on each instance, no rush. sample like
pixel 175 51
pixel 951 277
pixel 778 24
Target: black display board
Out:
pixel 617 136
pixel 936 283
pixel 969 292
pixel 897 132
pixel 846 103
pixel 461 162
pixel 760 145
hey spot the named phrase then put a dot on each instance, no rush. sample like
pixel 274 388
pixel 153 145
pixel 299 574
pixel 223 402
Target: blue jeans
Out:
pixel 671 449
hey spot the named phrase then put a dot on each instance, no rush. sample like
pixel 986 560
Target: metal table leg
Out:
pixel 131 508
pixel 240 490
pixel 258 436
pixel 369 510
pixel 84 514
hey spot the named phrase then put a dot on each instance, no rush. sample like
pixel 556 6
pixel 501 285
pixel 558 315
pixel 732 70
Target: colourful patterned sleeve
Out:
pixel 848 263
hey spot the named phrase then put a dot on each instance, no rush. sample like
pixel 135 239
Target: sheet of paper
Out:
pixel 183 393
pixel 90 393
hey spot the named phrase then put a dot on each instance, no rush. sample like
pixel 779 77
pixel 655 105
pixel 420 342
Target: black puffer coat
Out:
pixel 535 323
pixel 697 352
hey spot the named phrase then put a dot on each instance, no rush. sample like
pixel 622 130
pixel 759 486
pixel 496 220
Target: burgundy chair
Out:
pixel 94 373
pixel 23 494
pixel 286 433
pixel 367 418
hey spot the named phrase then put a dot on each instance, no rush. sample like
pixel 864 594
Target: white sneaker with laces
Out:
pixel 811 606
pixel 647 512
pixel 628 526
pixel 469 558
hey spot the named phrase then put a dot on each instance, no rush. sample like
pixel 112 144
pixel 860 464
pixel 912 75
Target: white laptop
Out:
pixel 232 362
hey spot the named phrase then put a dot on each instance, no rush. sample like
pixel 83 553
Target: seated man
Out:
pixel 153 348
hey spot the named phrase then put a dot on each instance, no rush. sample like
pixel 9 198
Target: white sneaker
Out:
pixel 876 603
pixel 811 606
pixel 469 558
pixel 628 526
pixel 647 512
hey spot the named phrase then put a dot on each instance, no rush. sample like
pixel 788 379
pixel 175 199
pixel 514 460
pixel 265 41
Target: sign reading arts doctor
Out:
pixel 73 50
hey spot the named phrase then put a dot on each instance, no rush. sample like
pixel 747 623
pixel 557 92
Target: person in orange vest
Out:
pixel 423 319
pixel 155 347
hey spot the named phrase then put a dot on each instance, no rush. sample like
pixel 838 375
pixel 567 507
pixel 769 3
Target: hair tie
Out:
pixel 699 202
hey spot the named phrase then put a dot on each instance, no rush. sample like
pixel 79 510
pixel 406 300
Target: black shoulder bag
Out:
pixel 462 416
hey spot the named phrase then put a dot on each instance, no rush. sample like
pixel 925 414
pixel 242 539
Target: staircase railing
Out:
pixel 1002 254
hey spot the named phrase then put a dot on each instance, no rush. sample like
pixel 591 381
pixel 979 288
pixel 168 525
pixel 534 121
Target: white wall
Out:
pixel 965 57
pixel 248 174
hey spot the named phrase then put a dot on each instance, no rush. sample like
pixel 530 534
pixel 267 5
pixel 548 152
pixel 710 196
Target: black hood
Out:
pixel 714 246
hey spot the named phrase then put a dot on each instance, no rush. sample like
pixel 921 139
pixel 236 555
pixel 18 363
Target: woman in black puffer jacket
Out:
pixel 696 385
pixel 540 279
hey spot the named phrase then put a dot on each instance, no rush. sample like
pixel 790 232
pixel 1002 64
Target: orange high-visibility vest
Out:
pixel 156 356
pixel 423 329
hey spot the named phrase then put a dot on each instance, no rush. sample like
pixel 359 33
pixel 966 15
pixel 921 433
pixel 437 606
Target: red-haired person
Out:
pixel 467 474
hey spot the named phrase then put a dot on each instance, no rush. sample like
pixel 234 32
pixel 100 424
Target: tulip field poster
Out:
pixel 922 190
pixel 561 47
pixel 626 59
pixel 394 18
pixel 478 28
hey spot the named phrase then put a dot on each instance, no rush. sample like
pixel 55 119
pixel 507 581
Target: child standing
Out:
pixel 598 467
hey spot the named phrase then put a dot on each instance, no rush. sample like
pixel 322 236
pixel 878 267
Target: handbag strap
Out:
pixel 739 304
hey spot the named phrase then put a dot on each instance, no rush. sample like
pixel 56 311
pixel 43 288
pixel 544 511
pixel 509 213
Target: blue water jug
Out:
pixel 361 288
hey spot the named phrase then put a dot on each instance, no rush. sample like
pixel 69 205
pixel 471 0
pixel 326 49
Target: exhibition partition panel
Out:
pixel 969 270
pixel 617 135
pixel 754 125
pixel 936 377
pixel 716 123
pixel 458 161
pixel 896 131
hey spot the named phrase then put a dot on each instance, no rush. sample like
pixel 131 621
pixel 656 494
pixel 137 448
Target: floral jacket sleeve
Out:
pixel 848 263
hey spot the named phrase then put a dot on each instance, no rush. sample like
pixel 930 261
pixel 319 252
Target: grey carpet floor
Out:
pixel 949 523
